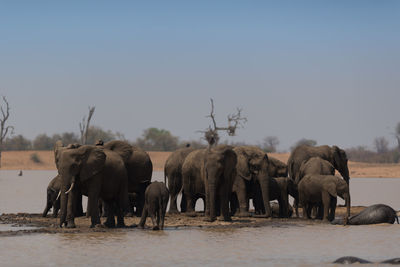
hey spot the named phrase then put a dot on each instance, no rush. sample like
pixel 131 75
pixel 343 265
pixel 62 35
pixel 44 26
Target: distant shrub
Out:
pixel 35 158
pixel 362 154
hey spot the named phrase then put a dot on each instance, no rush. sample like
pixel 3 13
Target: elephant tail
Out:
pixel 397 216
pixel 165 178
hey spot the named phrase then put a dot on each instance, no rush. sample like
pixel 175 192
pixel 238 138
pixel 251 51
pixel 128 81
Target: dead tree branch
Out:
pixel 4 130
pixel 234 121
pixel 84 125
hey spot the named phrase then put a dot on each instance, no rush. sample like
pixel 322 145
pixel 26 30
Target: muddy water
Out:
pixel 290 244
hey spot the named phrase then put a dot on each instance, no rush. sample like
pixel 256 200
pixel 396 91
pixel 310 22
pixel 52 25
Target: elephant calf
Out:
pixel 52 196
pixel 323 189
pixel 378 213
pixel 155 205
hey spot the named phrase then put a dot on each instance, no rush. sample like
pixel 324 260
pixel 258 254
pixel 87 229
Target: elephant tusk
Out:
pixel 69 190
pixel 58 196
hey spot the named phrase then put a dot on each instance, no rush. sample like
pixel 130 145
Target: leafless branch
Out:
pixel 84 125
pixel 4 130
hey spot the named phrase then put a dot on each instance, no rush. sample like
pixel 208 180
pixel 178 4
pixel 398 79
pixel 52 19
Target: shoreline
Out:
pixel 24 160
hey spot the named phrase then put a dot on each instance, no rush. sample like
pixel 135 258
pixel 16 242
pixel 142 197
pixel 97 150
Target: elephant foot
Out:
pixel 129 214
pixel 261 216
pixel 70 225
pixel 209 219
pixel 121 225
pixel 156 228
pixel 173 211
pixel 224 219
pixel 243 214
pixel 109 224
pixel 133 226
pixel 191 214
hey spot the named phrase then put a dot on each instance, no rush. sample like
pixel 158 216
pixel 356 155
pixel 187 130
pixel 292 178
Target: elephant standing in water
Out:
pixel 139 169
pixel 193 184
pixel 209 174
pixel 173 171
pixel 155 205
pixel 378 213
pixel 98 173
pixel 251 176
pixel 336 156
pixel 323 189
pixel 52 196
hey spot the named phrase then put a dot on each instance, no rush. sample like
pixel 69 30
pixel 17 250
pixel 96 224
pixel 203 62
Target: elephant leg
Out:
pixel 47 208
pixel 326 199
pixel 332 211
pixel 233 203
pixel 243 204
pixel 173 208
pixel 56 208
pixel 109 206
pixel 190 205
pixel 183 202
pixel 144 217
pixel 224 203
pixel 93 201
pixel 153 215
pixel 78 204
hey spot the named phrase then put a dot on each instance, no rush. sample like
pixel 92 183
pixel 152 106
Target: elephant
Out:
pixel 378 213
pixel 139 169
pixel 173 171
pixel 251 176
pixel 52 196
pixel 352 259
pixel 155 205
pixel 279 189
pixel 193 185
pixel 336 156
pixel 277 168
pixel 323 189
pixel 98 173
pixel 218 174
pixel 314 165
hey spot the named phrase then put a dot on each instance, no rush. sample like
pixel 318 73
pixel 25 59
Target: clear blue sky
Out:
pixel 325 70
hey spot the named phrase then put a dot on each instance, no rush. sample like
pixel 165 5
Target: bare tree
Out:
pixel 397 134
pixel 381 145
pixel 84 125
pixel 270 143
pixel 4 130
pixel 234 121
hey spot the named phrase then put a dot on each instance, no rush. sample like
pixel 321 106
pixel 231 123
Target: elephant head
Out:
pixel 220 170
pixel 76 165
pixel 339 161
pixel 339 187
pixel 277 168
pixel 252 165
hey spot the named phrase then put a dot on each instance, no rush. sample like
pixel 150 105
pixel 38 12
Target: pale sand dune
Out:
pixel 21 160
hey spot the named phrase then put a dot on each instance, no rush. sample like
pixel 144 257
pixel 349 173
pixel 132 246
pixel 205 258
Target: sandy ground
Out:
pixel 21 160
pixel 172 221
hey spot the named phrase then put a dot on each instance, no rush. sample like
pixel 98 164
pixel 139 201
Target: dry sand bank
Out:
pixel 21 160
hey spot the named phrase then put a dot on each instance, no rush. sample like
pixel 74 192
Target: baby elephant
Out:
pixel 323 190
pixel 155 204
pixel 52 196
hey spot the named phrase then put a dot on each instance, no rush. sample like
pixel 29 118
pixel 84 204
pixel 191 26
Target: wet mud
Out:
pixel 172 221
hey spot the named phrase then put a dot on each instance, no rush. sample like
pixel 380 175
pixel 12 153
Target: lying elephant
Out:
pixel 351 260
pixel 378 213
pixel 155 205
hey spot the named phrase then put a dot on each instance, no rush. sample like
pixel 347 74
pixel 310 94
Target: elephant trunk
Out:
pixel 212 200
pixel 63 205
pixel 264 184
pixel 348 204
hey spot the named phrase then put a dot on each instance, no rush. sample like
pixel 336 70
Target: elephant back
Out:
pixel 123 149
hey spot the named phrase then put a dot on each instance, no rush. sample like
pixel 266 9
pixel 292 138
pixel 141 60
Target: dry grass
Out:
pixel 21 160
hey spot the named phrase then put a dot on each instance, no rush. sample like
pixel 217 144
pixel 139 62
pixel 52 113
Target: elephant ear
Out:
pixel 331 188
pixel 58 146
pixel 93 160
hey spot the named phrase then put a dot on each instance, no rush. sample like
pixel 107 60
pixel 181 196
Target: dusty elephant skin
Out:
pixel 97 173
pixel 315 190
pixel 336 156
pixel 173 172
pixel 139 169
pixel 352 259
pixel 155 205
pixel 251 177
pixel 52 196
pixel 378 213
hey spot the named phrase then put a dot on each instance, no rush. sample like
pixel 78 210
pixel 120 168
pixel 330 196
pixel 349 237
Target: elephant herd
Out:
pixel 118 176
